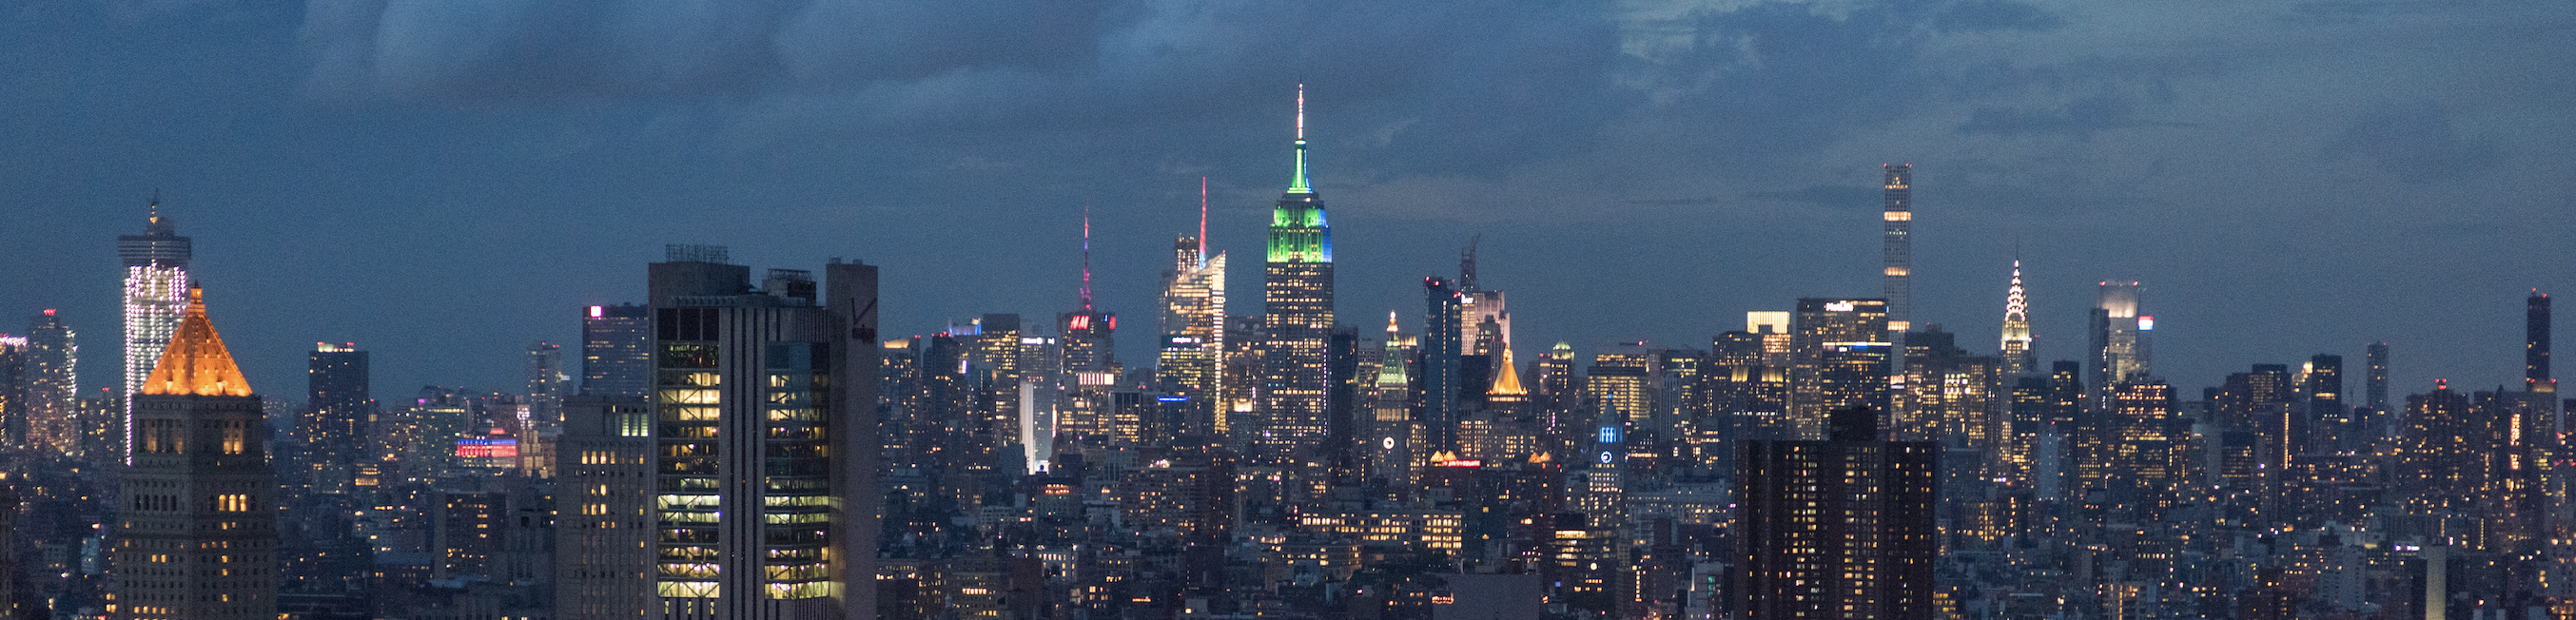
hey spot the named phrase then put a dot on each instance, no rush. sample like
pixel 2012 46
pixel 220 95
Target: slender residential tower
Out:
pixel 2535 345
pixel 52 381
pixel 2018 358
pixel 1899 255
pixel 156 292
pixel 1297 323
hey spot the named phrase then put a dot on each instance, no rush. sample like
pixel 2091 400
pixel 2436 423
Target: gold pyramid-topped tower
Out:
pixel 196 361
pixel 1507 382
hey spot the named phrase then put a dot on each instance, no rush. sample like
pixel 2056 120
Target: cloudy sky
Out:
pixel 444 182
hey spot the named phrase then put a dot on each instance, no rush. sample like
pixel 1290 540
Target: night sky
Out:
pixel 444 182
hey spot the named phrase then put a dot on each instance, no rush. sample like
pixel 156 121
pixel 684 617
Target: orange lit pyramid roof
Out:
pixel 1508 381
pixel 196 361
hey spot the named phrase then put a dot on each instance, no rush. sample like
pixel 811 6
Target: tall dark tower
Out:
pixel 614 361
pixel 197 538
pixel 1297 322
pixel 1441 342
pixel 1836 529
pixel 2535 345
pixel 335 426
pixel 2375 390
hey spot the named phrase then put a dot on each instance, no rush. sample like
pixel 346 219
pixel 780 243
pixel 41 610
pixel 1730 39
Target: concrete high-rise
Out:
pixel 156 292
pixel 1841 528
pixel 1297 318
pixel 765 408
pixel 614 358
pixel 2019 360
pixel 197 536
pixel 603 560
pixel 337 410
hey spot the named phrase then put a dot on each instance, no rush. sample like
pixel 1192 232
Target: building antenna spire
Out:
pixel 1299 185
pixel 1467 264
pixel 1202 221
pixel 1086 256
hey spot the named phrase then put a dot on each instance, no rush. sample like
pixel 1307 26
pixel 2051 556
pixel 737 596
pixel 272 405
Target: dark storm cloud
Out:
pixel 1991 15
pixel 1832 196
pixel 2416 143
pixel 2081 117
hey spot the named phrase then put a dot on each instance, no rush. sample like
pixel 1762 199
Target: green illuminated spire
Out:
pixel 1298 185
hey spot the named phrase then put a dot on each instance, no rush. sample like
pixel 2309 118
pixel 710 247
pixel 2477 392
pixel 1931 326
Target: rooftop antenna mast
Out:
pixel 1203 222
pixel 1086 257
pixel 1467 264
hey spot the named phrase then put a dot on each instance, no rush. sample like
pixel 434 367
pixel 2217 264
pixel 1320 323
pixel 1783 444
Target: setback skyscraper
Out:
pixel 156 292
pixel 197 536
pixel 1297 320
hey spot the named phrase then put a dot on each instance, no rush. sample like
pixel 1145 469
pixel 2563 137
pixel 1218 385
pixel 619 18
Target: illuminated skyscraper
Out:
pixel 1391 426
pixel 2119 337
pixel 2018 358
pixel 614 357
pixel 766 439
pixel 1191 363
pixel 1297 321
pixel 156 292
pixel 1843 334
pixel 1089 368
pixel 52 381
pixel 197 536
pixel 1484 317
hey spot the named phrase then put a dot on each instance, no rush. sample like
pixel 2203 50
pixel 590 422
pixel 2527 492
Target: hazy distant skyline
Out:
pixel 444 183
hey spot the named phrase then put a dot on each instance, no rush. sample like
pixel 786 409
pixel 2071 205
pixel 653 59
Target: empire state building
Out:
pixel 1297 323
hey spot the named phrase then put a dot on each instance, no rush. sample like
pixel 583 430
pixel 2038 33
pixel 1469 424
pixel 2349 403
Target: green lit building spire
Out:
pixel 1298 232
pixel 1298 184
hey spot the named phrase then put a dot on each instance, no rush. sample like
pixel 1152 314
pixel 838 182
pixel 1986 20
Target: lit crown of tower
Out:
pixel 196 361
pixel 1507 382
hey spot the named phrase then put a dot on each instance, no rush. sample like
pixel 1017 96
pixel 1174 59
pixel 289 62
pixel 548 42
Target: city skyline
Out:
pixel 2432 224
